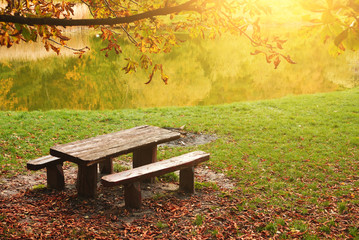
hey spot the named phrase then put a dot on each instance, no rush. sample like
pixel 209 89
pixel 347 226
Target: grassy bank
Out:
pixel 296 153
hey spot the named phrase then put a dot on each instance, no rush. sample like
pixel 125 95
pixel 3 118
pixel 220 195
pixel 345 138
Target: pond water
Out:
pixel 201 73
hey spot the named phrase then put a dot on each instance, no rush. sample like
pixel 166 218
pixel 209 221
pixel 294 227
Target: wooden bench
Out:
pixel 131 178
pixel 98 152
pixel 54 172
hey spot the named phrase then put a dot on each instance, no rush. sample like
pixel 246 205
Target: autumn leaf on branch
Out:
pixel 157 67
pixel 131 66
pixel 337 22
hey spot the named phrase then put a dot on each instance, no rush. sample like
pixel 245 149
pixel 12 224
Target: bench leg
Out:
pixel 145 156
pixel 187 180
pixel 87 181
pixel 133 196
pixel 106 167
pixel 55 177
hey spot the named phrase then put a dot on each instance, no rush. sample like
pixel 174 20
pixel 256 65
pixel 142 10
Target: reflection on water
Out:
pixel 202 72
pixel 35 50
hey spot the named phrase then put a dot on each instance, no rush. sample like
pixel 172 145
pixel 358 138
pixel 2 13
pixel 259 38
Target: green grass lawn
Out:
pixel 298 153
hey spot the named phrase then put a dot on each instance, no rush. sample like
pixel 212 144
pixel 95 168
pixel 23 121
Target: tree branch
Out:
pixel 99 21
pixel 70 48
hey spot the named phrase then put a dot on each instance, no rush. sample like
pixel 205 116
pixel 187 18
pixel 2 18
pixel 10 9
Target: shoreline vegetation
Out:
pixel 297 154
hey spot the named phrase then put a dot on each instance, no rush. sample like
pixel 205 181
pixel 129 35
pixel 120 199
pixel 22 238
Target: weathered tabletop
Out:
pixel 94 150
pixel 87 153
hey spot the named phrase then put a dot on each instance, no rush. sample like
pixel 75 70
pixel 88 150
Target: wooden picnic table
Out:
pixel 91 152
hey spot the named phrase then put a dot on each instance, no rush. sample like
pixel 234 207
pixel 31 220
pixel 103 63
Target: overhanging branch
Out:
pixel 99 21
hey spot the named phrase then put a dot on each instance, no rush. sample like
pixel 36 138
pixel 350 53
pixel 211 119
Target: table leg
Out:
pixel 87 181
pixel 106 167
pixel 145 156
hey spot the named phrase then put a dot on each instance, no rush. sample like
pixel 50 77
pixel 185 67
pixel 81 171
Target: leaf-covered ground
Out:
pixel 294 165
pixel 214 212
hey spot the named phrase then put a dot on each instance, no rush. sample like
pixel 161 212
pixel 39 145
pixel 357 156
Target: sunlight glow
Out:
pixel 283 11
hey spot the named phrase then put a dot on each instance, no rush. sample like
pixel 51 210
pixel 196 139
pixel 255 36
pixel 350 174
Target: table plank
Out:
pixel 93 150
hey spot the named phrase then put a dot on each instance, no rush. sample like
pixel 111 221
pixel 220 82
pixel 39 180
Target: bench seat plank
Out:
pixel 93 150
pixel 54 171
pixel 43 162
pixel 155 169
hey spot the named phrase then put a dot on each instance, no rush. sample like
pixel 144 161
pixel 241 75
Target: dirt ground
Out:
pixel 12 186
